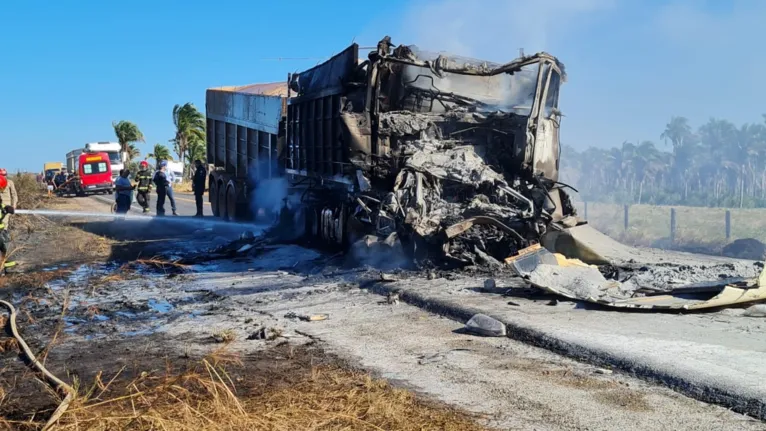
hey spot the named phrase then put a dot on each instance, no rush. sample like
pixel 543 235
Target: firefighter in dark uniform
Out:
pixel 144 185
pixel 5 236
pixel 198 185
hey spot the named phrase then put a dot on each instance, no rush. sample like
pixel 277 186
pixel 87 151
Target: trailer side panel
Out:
pixel 314 131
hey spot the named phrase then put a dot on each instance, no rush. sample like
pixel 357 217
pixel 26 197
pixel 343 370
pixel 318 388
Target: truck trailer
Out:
pixel 447 156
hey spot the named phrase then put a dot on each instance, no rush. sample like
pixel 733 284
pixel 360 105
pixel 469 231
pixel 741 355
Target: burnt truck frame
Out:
pixel 347 130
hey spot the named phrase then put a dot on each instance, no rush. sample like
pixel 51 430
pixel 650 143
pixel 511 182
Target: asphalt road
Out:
pixel 184 204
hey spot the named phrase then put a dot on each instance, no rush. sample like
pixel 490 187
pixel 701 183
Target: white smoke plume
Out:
pixel 495 29
pixel 268 193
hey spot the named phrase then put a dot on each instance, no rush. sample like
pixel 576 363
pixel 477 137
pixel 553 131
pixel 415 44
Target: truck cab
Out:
pixel 50 170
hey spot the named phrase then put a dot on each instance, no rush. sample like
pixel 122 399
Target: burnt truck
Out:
pixel 452 159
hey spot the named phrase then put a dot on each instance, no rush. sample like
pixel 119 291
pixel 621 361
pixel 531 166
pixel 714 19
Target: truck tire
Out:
pixel 222 208
pixel 213 197
pixel 231 202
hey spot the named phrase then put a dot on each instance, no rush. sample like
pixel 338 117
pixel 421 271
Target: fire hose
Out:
pixel 53 381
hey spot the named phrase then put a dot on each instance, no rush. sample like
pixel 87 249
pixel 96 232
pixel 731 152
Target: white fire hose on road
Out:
pixel 54 381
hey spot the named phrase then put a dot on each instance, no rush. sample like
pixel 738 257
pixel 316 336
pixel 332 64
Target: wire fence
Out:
pixel 662 225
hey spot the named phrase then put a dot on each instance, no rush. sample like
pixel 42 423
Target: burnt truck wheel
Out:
pixel 213 197
pixel 222 209
pixel 231 203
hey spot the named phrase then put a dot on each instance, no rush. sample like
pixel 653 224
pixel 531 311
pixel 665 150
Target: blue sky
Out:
pixel 69 68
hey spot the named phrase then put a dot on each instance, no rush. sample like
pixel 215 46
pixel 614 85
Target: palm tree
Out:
pixel 159 153
pixel 126 133
pixel 718 164
pixel 190 127
pixel 677 130
pixel 197 150
pixel 133 152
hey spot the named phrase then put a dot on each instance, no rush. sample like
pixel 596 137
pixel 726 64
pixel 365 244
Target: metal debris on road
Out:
pixel 574 279
pixel 392 298
pixel 307 317
pixel 388 277
pixel 482 324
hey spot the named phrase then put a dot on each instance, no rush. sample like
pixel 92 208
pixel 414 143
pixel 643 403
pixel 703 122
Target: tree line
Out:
pixel 716 165
pixel 188 142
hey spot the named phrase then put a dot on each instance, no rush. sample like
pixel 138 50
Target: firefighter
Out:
pixel 9 195
pixel 198 185
pixel 144 186
pixel 161 181
pixel 5 236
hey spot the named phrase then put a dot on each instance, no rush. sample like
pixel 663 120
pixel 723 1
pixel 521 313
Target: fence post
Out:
pixel 728 225
pixel 586 210
pixel 672 225
pixel 625 210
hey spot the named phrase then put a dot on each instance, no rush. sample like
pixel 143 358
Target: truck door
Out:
pixel 546 122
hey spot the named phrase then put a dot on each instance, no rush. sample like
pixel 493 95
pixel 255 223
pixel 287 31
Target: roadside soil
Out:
pixel 152 343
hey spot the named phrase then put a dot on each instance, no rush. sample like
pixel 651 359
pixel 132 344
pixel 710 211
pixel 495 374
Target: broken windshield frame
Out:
pixel 512 92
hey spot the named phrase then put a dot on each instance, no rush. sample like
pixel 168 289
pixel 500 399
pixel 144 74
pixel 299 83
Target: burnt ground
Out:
pixel 65 263
pixel 48 251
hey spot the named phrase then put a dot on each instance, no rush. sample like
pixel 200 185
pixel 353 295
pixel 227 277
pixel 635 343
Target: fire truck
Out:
pixel 91 174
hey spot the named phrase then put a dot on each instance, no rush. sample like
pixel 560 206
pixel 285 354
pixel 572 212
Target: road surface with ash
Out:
pixel 116 311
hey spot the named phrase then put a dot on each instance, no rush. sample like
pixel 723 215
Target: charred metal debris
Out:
pixel 455 159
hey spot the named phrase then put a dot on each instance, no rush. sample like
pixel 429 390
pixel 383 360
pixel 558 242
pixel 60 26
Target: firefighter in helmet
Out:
pixel 144 186
pixel 5 236
pixel 8 195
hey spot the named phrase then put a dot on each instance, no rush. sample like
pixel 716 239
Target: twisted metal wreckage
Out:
pixel 457 159
pixel 453 162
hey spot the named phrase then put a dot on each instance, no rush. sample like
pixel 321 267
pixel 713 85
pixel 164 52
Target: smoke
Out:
pixel 271 201
pixel 269 196
pixel 633 65
pixel 495 29
pixel 269 193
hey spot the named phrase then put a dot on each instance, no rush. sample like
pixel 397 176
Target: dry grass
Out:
pixel 31 196
pixel 205 397
pixel 650 224
pixel 161 264
pixel 224 336
pixel 183 187
pixel 33 280
pixel 31 193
